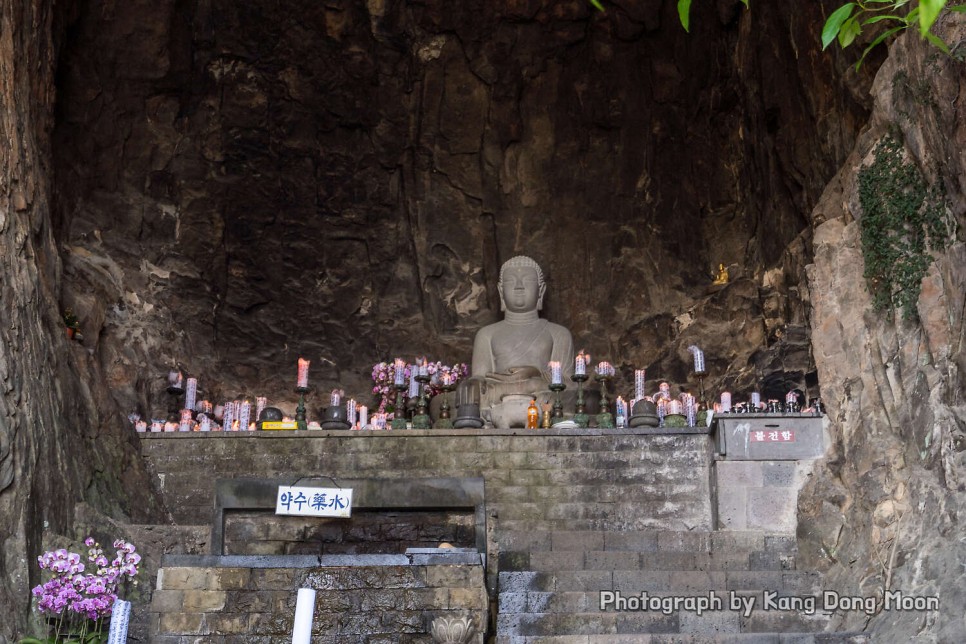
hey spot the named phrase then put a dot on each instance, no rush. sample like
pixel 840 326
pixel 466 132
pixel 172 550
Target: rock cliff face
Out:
pixel 228 185
pixel 886 512
pixel 239 184
pixel 60 442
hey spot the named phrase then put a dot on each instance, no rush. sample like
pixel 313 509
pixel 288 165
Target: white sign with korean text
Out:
pixel 314 501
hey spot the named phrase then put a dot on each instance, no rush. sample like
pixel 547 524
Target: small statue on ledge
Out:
pixel 510 357
pixel 722 277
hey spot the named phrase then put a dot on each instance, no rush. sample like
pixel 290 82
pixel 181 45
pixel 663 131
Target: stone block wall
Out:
pixel 240 600
pixel 545 479
pixel 759 495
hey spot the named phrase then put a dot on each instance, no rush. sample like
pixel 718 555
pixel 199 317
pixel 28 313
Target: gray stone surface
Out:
pixel 369 601
pixel 770 437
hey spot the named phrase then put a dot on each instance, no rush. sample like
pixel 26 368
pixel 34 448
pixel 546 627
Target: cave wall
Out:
pixel 238 184
pixel 60 442
pixel 885 512
pixel 227 186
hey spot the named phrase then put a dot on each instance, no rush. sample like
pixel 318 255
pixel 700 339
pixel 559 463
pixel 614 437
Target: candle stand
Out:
pixel 174 410
pixel 605 419
pixel 700 375
pixel 444 422
pixel 421 417
pixel 580 413
pixel 399 413
pixel 300 410
pixel 557 413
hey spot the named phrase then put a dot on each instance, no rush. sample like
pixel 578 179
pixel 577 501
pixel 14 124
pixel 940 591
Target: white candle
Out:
pixel 674 407
pixel 185 425
pixel 120 618
pixel 157 425
pixel 303 377
pixel 228 416
pixel 664 390
pixel 175 379
pixel 350 412
pixel 304 613
pixel 191 393
pixel 335 398
pixel 556 373
pixel 423 366
pixel 244 415
pixel 261 403
pixel 725 402
pixel 755 400
pixel 413 383
pixel 399 372
pixel 698 358
pixel 580 364
pixel 141 426
pixel 363 417
pixel 204 424
pixel 639 383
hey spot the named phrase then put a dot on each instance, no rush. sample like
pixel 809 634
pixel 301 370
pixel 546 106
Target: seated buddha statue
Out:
pixel 510 357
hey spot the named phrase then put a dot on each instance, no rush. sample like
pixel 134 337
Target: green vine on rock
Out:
pixel 903 220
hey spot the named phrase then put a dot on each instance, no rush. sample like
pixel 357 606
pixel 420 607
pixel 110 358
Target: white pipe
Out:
pixel 304 612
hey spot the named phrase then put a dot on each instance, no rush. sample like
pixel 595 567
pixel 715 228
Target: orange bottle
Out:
pixel 533 414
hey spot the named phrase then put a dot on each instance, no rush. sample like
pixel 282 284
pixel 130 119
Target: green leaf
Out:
pixel 745 2
pixel 876 19
pixel 959 8
pixel 684 13
pixel 928 12
pixel 597 4
pixel 849 30
pixel 912 16
pixel 834 23
pixel 32 640
pixel 937 41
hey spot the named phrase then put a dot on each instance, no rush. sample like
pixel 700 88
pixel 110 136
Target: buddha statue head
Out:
pixel 521 285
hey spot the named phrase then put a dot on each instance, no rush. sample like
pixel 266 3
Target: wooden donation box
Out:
pixel 770 437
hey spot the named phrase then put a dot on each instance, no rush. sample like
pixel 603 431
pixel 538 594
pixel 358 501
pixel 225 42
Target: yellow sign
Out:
pixel 279 424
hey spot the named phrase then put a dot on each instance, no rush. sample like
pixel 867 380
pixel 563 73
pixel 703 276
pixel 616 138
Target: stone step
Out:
pixel 551 560
pixel 659 638
pixel 632 582
pixel 683 622
pixel 646 540
pixel 590 601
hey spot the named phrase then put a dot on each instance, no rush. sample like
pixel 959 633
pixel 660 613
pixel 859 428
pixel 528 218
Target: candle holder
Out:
pixel 444 422
pixel 300 410
pixel 174 409
pixel 556 414
pixel 580 413
pixel 399 413
pixel 605 419
pixel 421 418
pixel 701 375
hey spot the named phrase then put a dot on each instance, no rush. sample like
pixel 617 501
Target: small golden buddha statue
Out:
pixel 722 276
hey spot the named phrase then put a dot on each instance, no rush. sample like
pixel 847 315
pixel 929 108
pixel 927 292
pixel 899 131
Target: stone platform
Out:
pixel 567 514
pixel 558 479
